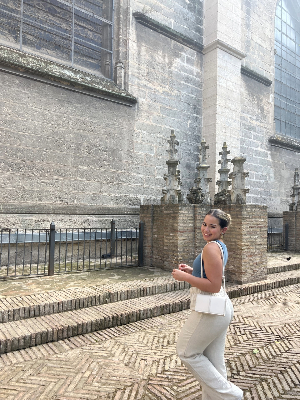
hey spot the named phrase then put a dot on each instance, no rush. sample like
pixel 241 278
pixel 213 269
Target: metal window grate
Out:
pixel 77 33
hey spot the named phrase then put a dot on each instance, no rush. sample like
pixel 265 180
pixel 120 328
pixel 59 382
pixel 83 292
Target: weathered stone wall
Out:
pixel 222 76
pixel 180 15
pixel 166 77
pixel 60 147
pixel 65 148
pixel 173 235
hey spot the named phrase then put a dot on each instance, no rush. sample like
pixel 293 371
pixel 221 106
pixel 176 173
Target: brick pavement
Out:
pixel 138 360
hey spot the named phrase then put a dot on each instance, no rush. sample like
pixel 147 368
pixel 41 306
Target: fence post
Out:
pixel 112 238
pixel 51 249
pixel 141 245
pixel 286 236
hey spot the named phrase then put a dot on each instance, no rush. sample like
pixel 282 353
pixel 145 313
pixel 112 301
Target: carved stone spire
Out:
pixel 223 195
pixel 238 190
pixel 199 194
pixel 172 193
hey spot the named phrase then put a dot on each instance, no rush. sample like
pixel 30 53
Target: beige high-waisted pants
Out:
pixel 201 346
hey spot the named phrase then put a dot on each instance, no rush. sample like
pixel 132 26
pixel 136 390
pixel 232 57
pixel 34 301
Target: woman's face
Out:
pixel 211 229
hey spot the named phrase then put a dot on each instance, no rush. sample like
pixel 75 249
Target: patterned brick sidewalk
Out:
pixel 138 360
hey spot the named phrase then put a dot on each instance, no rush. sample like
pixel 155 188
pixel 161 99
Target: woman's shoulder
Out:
pixel 216 243
pixel 211 246
pixel 214 246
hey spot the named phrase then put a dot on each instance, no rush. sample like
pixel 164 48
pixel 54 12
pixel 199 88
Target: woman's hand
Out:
pixel 179 275
pixel 185 268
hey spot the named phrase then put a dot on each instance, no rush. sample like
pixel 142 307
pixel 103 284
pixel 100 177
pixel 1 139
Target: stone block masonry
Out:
pixel 172 235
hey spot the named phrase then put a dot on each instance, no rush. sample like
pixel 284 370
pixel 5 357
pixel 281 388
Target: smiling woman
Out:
pixel 201 342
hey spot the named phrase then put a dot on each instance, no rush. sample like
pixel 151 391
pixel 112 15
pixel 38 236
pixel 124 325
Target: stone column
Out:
pixel 222 79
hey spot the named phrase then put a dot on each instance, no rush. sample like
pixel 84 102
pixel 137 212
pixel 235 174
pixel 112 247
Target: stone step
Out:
pixel 39 304
pixel 283 268
pixel 51 316
pixel 31 320
pixel 17 335
pixel 16 308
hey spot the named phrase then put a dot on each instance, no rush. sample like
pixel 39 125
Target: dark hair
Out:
pixel 223 217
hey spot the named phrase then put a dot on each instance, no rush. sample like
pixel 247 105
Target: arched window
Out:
pixel 77 33
pixel 287 68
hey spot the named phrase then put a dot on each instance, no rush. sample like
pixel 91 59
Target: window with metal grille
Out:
pixel 287 68
pixel 77 33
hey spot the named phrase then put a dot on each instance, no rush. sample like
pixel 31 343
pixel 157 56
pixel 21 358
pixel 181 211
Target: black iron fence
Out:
pixel 49 251
pixel 277 236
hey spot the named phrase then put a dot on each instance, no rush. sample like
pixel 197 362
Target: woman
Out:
pixel 201 342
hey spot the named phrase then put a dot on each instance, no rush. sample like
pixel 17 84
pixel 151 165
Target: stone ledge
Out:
pixel 168 32
pixel 31 66
pixel 274 214
pixel 256 76
pixel 19 208
pixel 285 142
pixel 219 44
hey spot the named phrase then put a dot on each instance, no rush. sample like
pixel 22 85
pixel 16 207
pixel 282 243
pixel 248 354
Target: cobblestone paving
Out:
pixel 138 360
pixel 29 286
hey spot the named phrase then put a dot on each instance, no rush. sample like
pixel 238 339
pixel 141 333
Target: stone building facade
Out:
pixel 81 146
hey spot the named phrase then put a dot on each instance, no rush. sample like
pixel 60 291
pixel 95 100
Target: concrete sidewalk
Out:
pixel 109 336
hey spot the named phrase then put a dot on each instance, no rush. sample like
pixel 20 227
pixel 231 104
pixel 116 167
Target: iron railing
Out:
pixel 278 238
pixel 49 251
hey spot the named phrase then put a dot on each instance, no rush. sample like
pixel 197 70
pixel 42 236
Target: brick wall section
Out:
pixel 160 235
pixel 186 234
pixel 147 219
pixel 246 240
pixel 173 235
pixel 292 218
